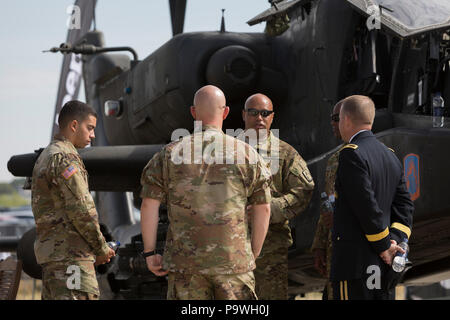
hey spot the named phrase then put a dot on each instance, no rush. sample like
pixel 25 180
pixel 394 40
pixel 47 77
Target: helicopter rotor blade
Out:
pixel 177 14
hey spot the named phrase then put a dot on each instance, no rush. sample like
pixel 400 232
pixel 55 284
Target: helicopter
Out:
pixel 312 54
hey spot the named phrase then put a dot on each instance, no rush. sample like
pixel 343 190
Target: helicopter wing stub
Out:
pixel 110 168
pixel 406 18
pixel 276 9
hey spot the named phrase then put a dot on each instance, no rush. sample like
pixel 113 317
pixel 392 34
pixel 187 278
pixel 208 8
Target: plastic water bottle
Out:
pixel 326 203
pixel 113 245
pixel 399 263
pixel 438 110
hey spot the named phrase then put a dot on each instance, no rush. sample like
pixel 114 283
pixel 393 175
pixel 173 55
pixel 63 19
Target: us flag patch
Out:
pixel 70 171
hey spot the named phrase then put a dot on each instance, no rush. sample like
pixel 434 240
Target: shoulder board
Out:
pixel 391 149
pixel 349 146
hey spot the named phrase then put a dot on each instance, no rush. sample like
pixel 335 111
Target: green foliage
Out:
pixel 13 200
pixel 18 183
pixel 6 188
pixel 9 197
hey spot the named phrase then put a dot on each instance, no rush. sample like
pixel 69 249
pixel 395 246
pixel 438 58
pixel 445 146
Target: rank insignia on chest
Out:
pixel 69 172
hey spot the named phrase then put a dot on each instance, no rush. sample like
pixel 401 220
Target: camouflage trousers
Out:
pixel 64 280
pixel 271 274
pixel 211 287
pixel 328 257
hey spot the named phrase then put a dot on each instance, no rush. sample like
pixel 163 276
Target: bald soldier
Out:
pixel 206 179
pixel 68 237
pixel 321 246
pixel 291 189
pixel 373 209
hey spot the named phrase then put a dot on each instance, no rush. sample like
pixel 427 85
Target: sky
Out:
pixel 29 78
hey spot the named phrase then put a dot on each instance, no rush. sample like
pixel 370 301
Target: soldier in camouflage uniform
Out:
pixel 68 240
pixel 321 247
pixel 206 179
pixel 277 25
pixel 292 187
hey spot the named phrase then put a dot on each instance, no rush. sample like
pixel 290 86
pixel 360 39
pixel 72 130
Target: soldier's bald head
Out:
pixel 337 107
pixel 335 119
pixel 258 113
pixel 360 110
pixel 209 103
pixel 258 99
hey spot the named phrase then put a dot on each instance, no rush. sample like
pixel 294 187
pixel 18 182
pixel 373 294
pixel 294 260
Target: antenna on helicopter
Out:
pixel 94 20
pixel 222 25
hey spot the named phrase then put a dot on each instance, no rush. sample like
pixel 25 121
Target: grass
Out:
pixel 309 296
pixel 399 294
pixel 13 200
pixel 25 291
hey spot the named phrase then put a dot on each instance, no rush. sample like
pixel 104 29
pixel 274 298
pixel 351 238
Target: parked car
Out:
pixel 14 222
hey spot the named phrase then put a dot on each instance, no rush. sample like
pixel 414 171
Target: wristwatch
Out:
pixel 148 254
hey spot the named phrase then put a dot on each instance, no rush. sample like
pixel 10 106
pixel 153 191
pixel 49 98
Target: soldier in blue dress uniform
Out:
pixel 373 208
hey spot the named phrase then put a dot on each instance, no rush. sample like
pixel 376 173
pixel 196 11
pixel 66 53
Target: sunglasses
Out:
pixel 255 113
pixel 335 117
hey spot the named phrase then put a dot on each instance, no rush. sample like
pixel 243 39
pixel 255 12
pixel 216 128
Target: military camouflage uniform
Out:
pixel 322 239
pixel 208 247
pixel 277 25
pixel 203 287
pixel 292 187
pixel 67 226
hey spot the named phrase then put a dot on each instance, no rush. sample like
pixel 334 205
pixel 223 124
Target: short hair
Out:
pixel 360 109
pixel 74 110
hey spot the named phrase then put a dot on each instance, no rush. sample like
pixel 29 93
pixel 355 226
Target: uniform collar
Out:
pixel 357 135
pixel 261 144
pixel 210 127
pixel 62 138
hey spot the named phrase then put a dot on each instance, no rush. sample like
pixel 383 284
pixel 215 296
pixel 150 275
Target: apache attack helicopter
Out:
pixel 312 54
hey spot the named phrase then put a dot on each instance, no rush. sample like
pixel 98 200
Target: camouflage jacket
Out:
pixel 277 25
pixel 66 219
pixel 322 239
pixel 291 188
pixel 206 199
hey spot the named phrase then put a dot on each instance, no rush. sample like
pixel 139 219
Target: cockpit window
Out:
pixel 416 14
pixel 408 17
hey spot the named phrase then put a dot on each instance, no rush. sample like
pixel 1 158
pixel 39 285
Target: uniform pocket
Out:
pixel 248 279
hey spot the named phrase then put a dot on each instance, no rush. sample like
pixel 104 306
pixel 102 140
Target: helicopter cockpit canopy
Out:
pixel 407 17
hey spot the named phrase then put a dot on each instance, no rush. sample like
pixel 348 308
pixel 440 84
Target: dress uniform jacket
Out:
pixel 373 207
